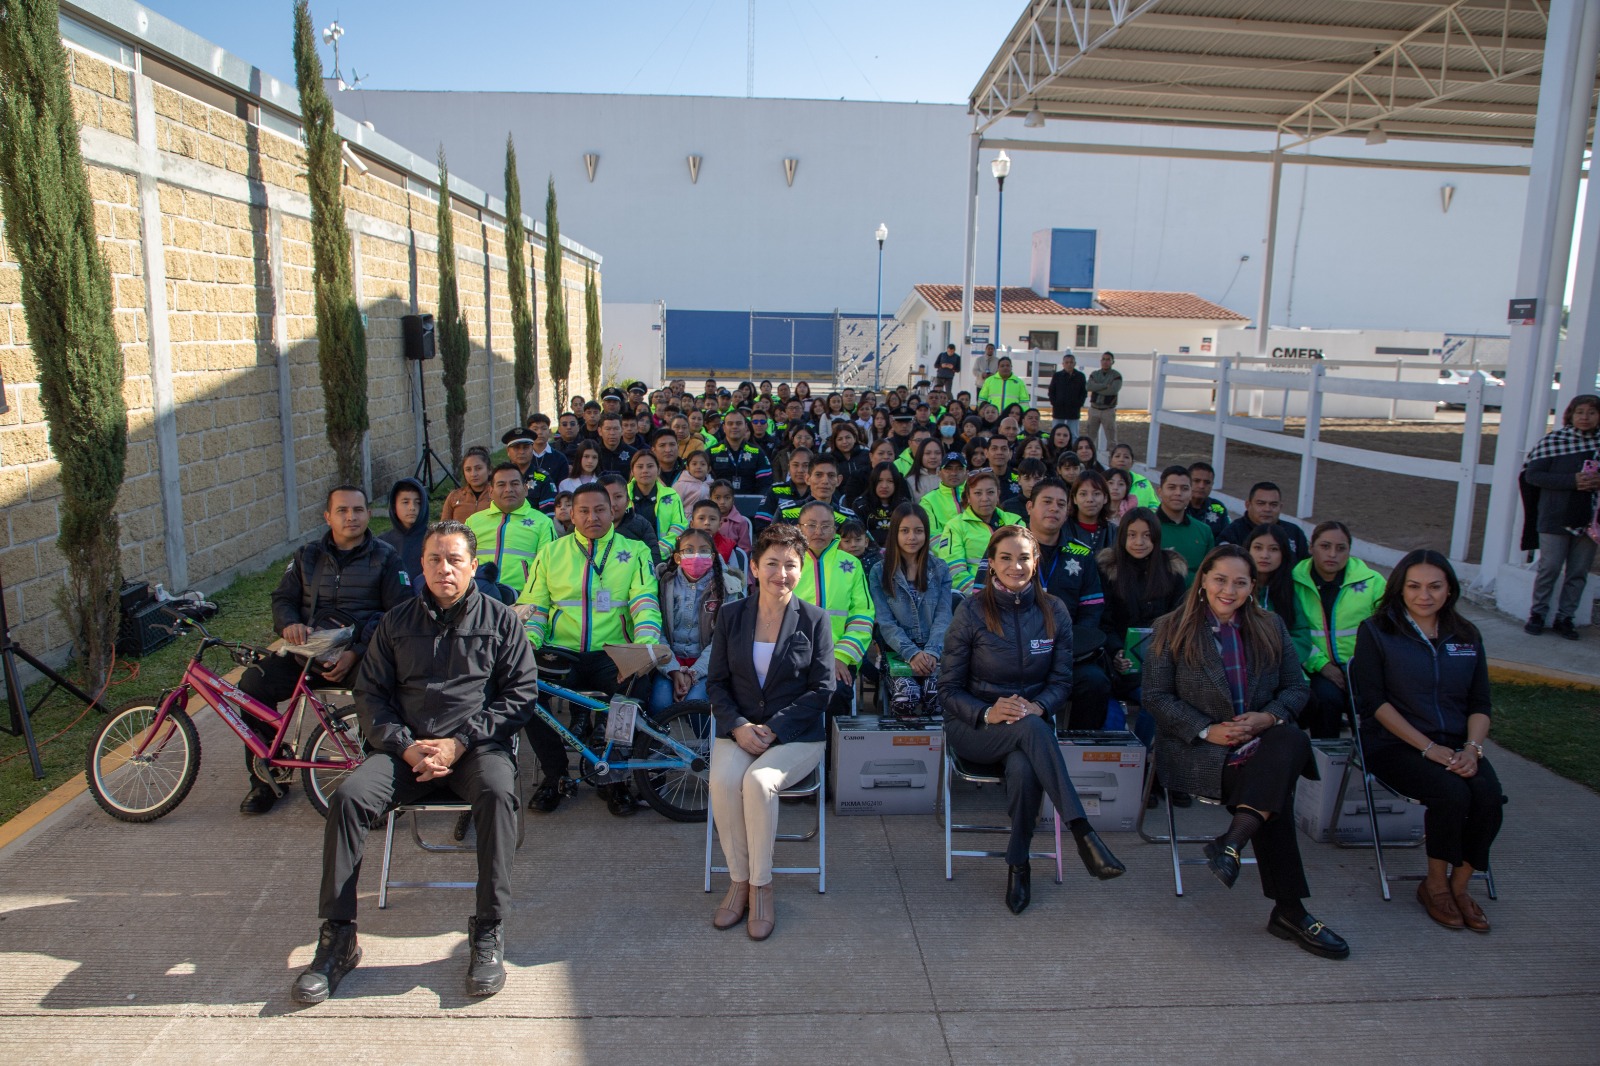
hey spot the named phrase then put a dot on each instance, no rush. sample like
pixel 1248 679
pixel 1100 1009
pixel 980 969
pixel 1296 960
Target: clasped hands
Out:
pixel 755 739
pixel 433 757
pixel 1012 708
pixel 1240 728
pixel 1463 763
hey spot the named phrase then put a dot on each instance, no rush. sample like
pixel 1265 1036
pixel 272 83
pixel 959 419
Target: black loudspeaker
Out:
pixel 418 333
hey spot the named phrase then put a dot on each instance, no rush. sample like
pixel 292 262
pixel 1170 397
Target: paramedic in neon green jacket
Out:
pixel 833 579
pixel 964 540
pixel 653 500
pixel 510 531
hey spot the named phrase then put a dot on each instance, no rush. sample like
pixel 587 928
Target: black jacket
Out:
pixel 467 674
pixel 800 679
pixel 316 585
pixel 853 470
pixel 979 666
pixel 1240 528
pixel 1068 390
pixel 1120 615
pixel 407 541
pixel 1561 505
pixel 1436 687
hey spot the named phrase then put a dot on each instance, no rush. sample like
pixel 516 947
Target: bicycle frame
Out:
pixel 686 758
pixel 222 696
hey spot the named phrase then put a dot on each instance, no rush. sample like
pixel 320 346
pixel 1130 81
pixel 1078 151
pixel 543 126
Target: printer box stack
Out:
pixel 886 766
pixel 1107 769
pixel 1315 803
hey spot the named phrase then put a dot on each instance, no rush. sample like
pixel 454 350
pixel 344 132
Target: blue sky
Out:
pixel 932 51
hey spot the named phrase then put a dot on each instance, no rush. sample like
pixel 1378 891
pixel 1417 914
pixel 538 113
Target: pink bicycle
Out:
pixel 146 756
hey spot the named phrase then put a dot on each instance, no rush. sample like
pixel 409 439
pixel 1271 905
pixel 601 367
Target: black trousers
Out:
pixel 594 672
pixel 1463 813
pixel 485 778
pixel 1034 768
pixel 1091 696
pixel 272 682
pixel 1266 783
pixel 1326 710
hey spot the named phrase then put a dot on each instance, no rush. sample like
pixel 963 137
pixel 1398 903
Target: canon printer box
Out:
pixel 1107 769
pixel 1315 802
pixel 888 766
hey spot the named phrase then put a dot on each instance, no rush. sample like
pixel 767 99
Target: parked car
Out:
pixel 1493 389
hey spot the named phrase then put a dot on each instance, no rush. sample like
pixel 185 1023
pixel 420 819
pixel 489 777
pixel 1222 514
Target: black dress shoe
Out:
pixel 1309 934
pixel 1180 799
pixel 1563 627
pixel 1018 884
pixel 1097 858
pixel 486 971
pixel 1534 626
pixel 547 797
pixel 1223 861
pixel 463 823
pixel 337 954
pixel 259 799
pixel 620 801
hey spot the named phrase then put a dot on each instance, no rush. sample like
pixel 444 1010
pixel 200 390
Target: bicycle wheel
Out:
pixel 142 788
pixel 320 782
pixel 681 794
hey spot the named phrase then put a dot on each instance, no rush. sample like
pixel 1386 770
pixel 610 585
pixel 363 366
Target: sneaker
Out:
pixel 1534 626
pixel 486 969
pixel 260 798
pixel 338 952
pixel 1563 627
pixel 547 797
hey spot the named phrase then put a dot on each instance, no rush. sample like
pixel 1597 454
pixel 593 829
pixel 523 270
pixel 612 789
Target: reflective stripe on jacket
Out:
pixel 1357 600
pixel 577 608
pixel 962 543
pixel 510 541
pixel 837 582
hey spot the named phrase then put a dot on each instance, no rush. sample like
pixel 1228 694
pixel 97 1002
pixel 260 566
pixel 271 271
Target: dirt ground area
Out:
pixel 1395 510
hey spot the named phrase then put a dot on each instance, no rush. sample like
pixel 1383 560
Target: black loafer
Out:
pixel 259 800
pixel 1224 862
pixel 1097 858
pixel 1018 884
pixel 1310 934
pixel 547 797
pixel 620 801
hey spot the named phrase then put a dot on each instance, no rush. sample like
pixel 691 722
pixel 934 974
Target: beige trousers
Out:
pixel 1095 419
pixel 744 801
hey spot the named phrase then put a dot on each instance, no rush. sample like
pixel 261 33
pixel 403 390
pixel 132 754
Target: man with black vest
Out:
pixel 346 577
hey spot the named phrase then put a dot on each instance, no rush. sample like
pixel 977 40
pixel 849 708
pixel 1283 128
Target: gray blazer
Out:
pixel 1185 699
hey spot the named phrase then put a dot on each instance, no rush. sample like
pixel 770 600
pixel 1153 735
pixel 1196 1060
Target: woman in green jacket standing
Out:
pixel 1336 593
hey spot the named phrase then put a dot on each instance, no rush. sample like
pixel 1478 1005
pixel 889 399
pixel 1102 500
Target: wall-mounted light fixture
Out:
pixel 1447 192
pixel 790 165
pixel 694 170
pixel 591 160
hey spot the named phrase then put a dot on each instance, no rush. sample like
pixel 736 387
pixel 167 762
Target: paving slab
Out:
pixel 177 941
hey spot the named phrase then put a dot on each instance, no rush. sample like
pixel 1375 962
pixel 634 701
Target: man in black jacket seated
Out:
pixel 447 682
pixel 346 577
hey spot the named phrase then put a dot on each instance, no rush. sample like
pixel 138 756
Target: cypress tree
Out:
pixel 341 338
pixel 524 371
pixel 557 343
pixel 67 301
pixel 592 351
pixel 454 346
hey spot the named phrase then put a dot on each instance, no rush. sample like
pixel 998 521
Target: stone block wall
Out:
pixel 228 461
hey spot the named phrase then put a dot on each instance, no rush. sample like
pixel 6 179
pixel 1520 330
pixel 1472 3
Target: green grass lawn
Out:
pixel 1557 727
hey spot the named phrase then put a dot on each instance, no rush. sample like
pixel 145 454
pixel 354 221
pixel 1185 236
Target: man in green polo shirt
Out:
pixel 1180 531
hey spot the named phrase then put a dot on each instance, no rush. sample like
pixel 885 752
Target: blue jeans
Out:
pixel 661 693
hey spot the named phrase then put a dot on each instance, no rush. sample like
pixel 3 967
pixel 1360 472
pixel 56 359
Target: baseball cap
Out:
pixel 954 459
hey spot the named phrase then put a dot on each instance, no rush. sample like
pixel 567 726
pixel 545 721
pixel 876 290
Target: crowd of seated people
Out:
pixel 919 537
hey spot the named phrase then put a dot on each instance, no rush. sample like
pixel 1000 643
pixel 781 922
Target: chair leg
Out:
pixel 1488 881
pixel 822 827
pixel 1144 802
pixel 388 853
pixel 944 797
pixel 710 836
pixel 1172 839
pixel 1056 818
pixel 1358 753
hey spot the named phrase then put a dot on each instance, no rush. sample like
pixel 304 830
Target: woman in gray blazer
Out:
pixel 1225 686
pixel 769 682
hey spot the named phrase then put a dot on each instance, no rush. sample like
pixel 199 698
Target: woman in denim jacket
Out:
pixel 911 598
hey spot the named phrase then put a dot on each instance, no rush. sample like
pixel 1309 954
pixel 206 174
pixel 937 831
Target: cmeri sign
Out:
pixel 1297 353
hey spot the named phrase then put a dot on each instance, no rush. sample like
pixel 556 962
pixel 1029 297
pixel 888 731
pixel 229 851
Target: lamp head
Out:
pixel 1001 166
pixel 882 233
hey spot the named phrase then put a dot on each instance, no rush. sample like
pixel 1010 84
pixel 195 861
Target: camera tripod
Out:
pixel 21 724
pixel 429 457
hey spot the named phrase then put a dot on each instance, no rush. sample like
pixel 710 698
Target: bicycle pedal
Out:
pixel 568 787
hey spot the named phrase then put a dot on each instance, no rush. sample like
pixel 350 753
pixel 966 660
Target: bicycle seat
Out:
pixel 555 663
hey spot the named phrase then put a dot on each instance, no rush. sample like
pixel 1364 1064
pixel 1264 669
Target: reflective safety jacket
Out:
pixel 511 541
pixel 837 582
pixel 587 595
pixel 941 504
pixel 1143 492
pixel 962 543
pixel 670 519
pixel 1356 601
pixel 1002 391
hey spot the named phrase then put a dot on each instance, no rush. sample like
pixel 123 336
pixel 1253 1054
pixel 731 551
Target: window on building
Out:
pixel 92 40
pixel 1087 337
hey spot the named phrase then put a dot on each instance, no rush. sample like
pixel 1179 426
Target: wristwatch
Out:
pixel 1475 746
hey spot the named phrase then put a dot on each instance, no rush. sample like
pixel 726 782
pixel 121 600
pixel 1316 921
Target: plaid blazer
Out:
pixel 1185 699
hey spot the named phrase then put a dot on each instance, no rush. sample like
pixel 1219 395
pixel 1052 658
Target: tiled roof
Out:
pixel 1117 303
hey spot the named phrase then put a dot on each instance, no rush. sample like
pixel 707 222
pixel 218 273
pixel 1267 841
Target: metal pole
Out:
pixel 999 238
pixel 1264 314
pixel 877 351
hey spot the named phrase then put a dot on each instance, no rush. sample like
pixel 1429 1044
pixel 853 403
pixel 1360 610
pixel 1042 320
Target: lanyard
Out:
pixel 600 568
pixel 1046 575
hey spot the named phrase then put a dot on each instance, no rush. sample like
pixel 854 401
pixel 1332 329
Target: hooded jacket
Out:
pixel 407 540
pixel 1356 601
pixel 979 666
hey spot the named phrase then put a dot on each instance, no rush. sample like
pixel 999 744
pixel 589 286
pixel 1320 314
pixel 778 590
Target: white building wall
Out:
pixel 1357 248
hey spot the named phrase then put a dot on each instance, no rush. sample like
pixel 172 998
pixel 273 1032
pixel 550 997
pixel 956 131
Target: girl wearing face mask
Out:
pixel 694 587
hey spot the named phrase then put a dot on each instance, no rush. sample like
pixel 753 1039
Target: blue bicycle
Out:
pixel 669 755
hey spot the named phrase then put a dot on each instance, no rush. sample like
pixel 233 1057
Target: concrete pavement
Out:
pixel 177 942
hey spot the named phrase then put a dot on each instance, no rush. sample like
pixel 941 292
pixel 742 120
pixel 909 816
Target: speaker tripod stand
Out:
pixel 21 724
pixel 429 458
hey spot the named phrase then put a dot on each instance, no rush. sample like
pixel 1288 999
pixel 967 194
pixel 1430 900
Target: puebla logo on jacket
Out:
pixel 1042 646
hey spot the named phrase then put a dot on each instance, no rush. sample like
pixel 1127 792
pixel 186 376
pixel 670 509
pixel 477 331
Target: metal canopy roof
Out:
pixel 1462 71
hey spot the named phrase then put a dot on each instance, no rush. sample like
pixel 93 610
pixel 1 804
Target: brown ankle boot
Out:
pixel 731 911
pixel 761 913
